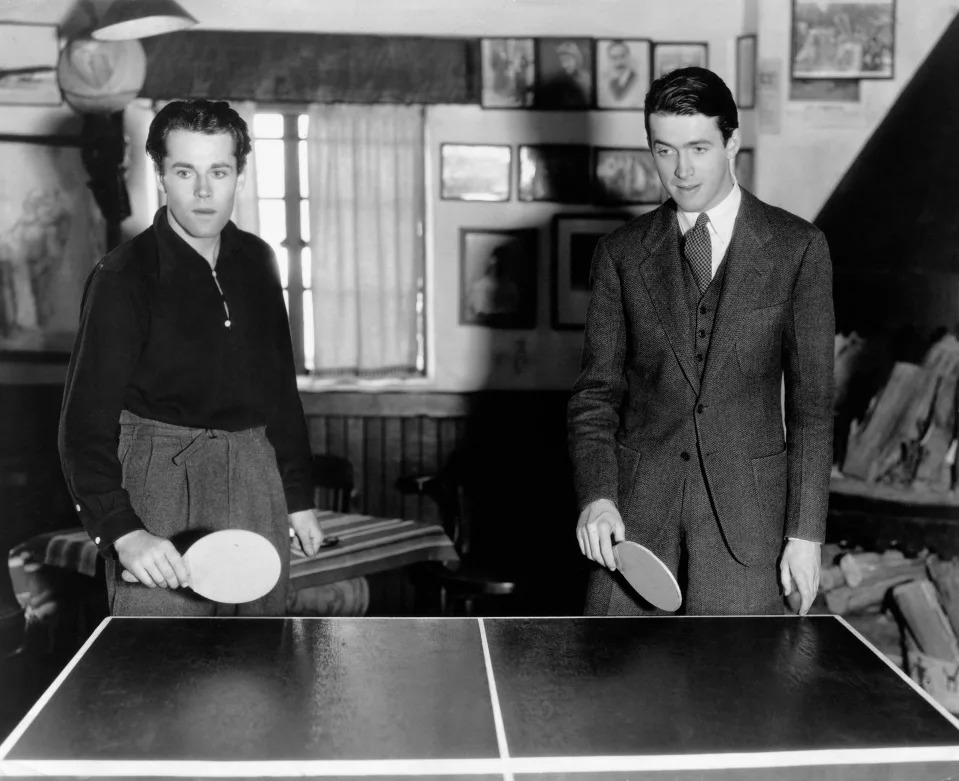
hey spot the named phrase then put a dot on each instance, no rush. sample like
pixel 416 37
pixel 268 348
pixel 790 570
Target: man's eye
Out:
pixel 663 152
pixel 183 174
pixel 219 174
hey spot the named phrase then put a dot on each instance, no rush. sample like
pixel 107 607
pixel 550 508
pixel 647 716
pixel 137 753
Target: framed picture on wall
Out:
pixel 28 63
pixel 622 73
pixel 622 175
pixel 564 73
pixel 475 172
pixel 838 39
pixel 746 71
pixel 498 277
pixel 51 236
pixel 574 241
pixel 672 55
pixel 743 167
pixel 508 66
pixel 554 172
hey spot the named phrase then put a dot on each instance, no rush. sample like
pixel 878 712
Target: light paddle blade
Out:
pixel 647 574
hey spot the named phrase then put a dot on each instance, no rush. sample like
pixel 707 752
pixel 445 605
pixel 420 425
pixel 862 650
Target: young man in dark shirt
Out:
pixel 181 413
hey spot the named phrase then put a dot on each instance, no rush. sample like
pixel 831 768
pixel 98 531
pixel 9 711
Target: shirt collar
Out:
pixel 176 251
pixel 722 217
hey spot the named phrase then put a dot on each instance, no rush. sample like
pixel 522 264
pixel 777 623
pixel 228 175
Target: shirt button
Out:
pixel 96 540
pixel 684 455
pixel 78 508
pixel 227 323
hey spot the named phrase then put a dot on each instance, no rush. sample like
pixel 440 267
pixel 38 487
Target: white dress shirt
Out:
pixel 722 219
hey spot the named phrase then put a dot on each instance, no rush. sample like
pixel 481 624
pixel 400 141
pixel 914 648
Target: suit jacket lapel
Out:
pixel 662 275
pixel 745 266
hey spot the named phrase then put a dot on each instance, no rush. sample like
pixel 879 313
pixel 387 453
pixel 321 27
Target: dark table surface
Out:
pixel 583 698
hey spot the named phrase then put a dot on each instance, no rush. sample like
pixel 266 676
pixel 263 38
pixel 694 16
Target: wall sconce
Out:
pixel 129 19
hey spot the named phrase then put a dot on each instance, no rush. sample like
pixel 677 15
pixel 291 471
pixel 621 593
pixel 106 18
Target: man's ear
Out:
pixel 733 144
pixel 159 177
pixel 241 179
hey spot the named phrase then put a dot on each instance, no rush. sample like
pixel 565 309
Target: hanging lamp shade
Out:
pixel 130 19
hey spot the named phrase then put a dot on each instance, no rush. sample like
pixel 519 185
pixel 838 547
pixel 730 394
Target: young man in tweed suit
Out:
pixel 701 312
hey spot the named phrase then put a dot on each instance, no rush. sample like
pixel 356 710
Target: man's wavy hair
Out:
pixel 198 116
pixel 688 91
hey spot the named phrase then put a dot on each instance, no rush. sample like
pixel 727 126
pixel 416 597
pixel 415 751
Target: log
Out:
pixel 945 577
pixel 846 599
pixel 857 567
pixel 934 470
pixel 925 619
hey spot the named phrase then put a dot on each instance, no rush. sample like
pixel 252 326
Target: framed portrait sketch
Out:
pixel 28 64
pixel 508 72
pixel 564 73
pixel 498 277
pixel 475 172
pixel 51 235
pixel 625 176
pixel 839 39
pixel 743 168
pixel 746 71
pixel 554 172
pixel 574 241
pixel 622 73
pixel 670 56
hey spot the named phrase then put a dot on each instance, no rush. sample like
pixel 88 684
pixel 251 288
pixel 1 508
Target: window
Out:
pixel 283 208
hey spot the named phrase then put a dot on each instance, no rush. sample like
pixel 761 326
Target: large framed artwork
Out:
pixel 839 39
pixel 574 241
pixel 508 72
pixel 668 56
pixel 624 175
pixel 475 172
pixel 51 235
pixel 28 63
pixel 498 277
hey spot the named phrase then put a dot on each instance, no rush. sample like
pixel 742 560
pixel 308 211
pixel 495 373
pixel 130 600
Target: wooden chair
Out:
pixel 475 578
pixel 332 482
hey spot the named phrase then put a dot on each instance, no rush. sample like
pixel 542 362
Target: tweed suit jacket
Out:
pixel 641 402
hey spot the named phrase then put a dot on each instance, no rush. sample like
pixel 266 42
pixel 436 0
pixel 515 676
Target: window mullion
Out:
pixel 294 236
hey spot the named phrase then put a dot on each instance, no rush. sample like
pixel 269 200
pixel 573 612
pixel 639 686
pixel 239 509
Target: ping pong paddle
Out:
pixel 646 573
pixel 231 565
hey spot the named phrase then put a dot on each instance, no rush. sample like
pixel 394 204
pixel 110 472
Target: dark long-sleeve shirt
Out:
pixel 156 339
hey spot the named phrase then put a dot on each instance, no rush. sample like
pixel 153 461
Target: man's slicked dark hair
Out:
pixel 688 91
pixel 198 116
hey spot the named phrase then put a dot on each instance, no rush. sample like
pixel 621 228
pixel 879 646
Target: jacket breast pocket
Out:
pixel 759 347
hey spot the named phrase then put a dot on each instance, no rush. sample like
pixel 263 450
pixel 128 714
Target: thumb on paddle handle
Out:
pixel 128 576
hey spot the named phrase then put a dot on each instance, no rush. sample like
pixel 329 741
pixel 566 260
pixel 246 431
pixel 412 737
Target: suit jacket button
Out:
pixel 700 408
pixel 684 455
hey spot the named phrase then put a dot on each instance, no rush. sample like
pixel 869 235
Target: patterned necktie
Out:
pixel 698 250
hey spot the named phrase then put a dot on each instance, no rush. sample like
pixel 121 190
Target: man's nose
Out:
pixel 202 189
pixel 684 168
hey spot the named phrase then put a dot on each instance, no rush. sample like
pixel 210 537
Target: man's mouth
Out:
pixel 204 212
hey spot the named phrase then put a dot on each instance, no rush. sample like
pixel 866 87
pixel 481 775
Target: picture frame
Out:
pixel 498 277
pixel 564 74
pixel 746 71
pixel 622 67
pixel 476 172
pixel 508 72
pixel 52 234
pixel 574 238
pixel 670 55
pixel 28 64
pixel 838 39
pixel 744 167
pixel 559 173
pixel 624 175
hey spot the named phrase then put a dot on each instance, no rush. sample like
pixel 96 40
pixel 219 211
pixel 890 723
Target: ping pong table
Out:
pixel 754 698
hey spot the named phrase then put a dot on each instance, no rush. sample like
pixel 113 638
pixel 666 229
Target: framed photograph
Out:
pixel 508 72
pixel 498 277
pixel 474 172
pixel 51 235
pixel 839 39
pixel 625 176
pixel 670 56
pixel 622 73
pixel 743 167
pixel 28 64
pixel 564 73
pixel 574 241
pixel 746 71
pixel 554 172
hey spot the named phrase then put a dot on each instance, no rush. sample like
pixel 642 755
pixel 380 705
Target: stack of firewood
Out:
pixel 907 437
pixel 859 582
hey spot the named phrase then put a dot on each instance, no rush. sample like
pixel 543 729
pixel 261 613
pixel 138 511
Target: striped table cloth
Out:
pixel 368 544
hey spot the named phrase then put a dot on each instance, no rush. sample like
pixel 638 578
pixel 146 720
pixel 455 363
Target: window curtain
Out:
pixel 366 197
